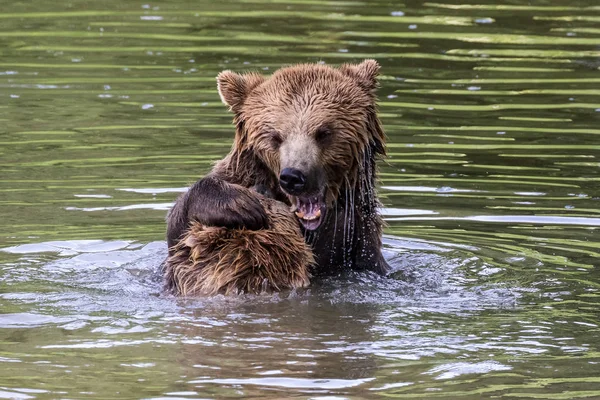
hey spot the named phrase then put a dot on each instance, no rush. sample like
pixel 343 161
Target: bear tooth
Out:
pixel 303 215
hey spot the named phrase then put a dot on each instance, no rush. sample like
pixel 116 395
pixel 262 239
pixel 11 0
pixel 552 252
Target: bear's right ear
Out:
pixel 364 73
pixel 234 88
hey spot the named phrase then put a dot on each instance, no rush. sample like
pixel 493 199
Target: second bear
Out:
pixel 211 260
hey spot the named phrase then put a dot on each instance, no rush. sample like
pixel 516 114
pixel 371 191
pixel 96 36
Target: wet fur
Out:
pixel 210 260
pixel 273 116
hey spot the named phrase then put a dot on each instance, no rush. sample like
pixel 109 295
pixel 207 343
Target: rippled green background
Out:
pixel 108 109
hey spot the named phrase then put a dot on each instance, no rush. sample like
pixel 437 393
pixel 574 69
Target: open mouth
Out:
pixel 310 211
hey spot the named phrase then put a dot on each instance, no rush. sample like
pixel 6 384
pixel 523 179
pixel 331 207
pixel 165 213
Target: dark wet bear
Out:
pixel 211 259
pixel 310 135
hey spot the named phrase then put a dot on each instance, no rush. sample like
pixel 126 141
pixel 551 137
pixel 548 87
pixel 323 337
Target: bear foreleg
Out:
pixel 214 202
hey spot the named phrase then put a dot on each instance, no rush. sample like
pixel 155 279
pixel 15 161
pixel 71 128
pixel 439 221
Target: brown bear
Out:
pixel 310 136
pixel 211 259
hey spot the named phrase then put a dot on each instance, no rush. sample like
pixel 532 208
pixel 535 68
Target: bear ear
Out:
pixel 234 88
pixel 364 73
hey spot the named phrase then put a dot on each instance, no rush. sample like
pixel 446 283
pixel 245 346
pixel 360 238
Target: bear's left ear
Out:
pixel 234 88
pixel 364 73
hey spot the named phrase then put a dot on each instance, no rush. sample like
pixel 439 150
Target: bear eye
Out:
pixel 323 133
pixel 275 139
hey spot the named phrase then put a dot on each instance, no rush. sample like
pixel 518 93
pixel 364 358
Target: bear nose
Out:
pixel 292 180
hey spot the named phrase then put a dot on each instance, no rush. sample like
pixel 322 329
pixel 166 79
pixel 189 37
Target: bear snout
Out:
pixel 292 180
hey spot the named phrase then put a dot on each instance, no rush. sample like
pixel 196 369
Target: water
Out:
pixel 109 109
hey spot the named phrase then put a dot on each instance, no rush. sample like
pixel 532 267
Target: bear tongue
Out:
pixel 308 211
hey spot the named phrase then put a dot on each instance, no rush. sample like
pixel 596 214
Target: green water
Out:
pixel 491 194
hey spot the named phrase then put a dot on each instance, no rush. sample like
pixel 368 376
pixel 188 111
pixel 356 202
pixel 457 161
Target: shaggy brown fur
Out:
pixel 317 125
pixel 211 260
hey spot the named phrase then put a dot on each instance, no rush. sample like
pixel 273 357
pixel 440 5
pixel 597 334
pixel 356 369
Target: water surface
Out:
pixel 490 192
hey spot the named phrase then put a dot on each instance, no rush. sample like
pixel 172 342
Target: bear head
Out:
pixel 314 126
